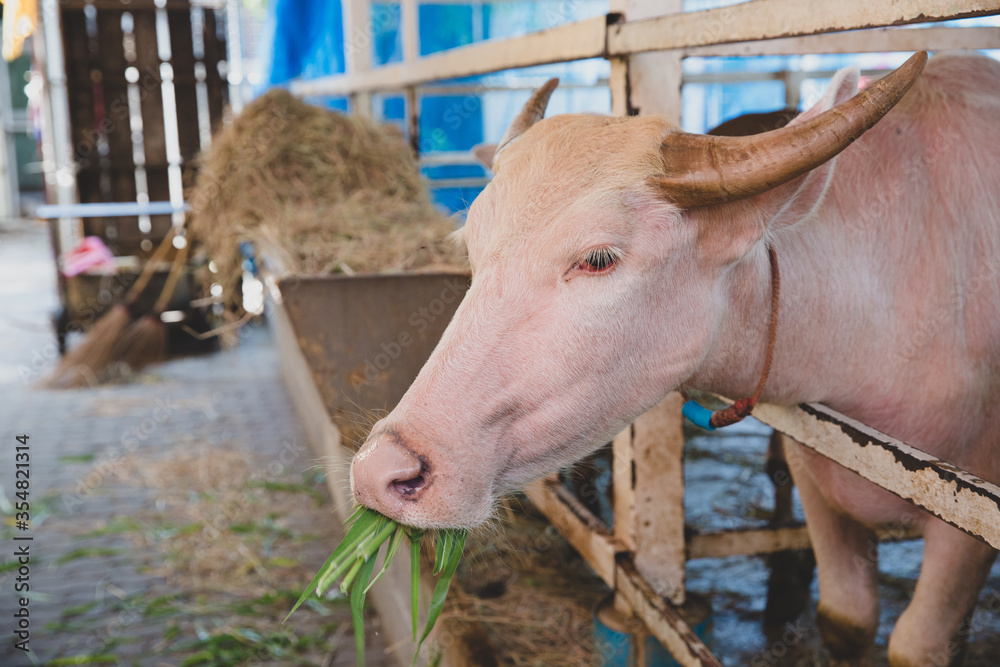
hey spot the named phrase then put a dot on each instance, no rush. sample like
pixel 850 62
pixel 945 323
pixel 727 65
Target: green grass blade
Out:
pixel 362 522
pixel 356 514
pixel 456 542
pixel 315 581
pixel 345 585
pixel 390 553
pixel 358 609
pixel 360 545
pixel 442 550
pixel 415 583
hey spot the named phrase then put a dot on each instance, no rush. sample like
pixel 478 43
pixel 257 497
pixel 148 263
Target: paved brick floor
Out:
pixel 77 439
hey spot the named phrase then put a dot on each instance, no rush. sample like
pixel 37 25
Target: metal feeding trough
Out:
pixel 349 348
pixel 365 338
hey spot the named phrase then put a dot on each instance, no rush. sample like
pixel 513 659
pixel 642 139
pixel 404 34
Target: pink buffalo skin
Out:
pixel 890 313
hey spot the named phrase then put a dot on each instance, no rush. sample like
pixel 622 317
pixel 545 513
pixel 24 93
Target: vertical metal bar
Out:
pixel 234 46
pixel 171 131
pixel 9 206
pixel 201 77
pixel 135 121
pixel 60 168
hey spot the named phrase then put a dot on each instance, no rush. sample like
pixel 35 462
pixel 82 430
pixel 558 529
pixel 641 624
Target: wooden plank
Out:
pixel 623 486
pixel 618 83
pixel 218 87
pixel 747 542
pixel 953 495
pixel 581 529
pixel 413 120
pixel 658 480
pixel 876 40
pixel 662 619
pixel 573 41
pixel 358 35
pixel 769 19
pixel 410 27
pixel 654 78
pixel 752 541
pixel 183 62
pixel 154 138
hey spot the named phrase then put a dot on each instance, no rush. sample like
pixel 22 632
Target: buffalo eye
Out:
pixel 599 260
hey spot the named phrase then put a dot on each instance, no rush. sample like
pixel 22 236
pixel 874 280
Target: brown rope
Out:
pixel 744 406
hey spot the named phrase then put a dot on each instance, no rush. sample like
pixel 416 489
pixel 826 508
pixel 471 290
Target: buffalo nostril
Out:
pixel 410 488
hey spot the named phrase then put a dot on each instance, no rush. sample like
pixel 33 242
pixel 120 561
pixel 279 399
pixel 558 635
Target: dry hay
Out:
pixel 225 532
pixel 335 193
pixel 530 591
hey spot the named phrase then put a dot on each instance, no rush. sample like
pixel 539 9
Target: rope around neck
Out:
pixel 742 408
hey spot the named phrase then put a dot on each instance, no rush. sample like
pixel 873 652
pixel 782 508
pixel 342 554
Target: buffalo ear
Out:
pixel 701 170
pixel 730 230
pixel 843 87
pixel 484 153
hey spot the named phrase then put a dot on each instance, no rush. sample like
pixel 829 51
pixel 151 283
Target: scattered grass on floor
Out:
pixel 236 545
pixel 77 458
pixel 88 552
pixel 308 488
pixel 88 659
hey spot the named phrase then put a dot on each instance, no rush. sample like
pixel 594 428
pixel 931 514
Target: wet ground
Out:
pixel 175 518
pixel 727 487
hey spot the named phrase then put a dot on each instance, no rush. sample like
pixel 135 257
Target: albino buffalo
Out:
pixel 618 259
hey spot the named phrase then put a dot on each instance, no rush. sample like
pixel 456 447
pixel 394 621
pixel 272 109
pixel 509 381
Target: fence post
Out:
pixel 647 83
pixel 649 496
pixel 649 455
pixel 358 35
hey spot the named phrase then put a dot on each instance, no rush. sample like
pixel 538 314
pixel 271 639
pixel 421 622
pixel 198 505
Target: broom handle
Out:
pixel 176 269
pixel 147 271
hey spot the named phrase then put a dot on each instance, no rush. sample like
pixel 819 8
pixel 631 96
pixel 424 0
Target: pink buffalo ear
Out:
pixel 532 112
pixel 843 87
pixel 484 153
pixel 728 230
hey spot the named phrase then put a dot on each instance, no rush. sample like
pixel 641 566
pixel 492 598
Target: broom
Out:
pixel 85 363
pixel 144 342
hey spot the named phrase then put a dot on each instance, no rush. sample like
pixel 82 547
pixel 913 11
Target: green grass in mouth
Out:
pixel 353 562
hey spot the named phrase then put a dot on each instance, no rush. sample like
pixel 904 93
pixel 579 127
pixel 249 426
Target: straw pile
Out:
pixel 337 193
pixel 530 592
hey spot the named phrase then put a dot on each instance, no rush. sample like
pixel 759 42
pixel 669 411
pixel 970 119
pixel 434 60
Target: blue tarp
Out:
pixel 308 42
